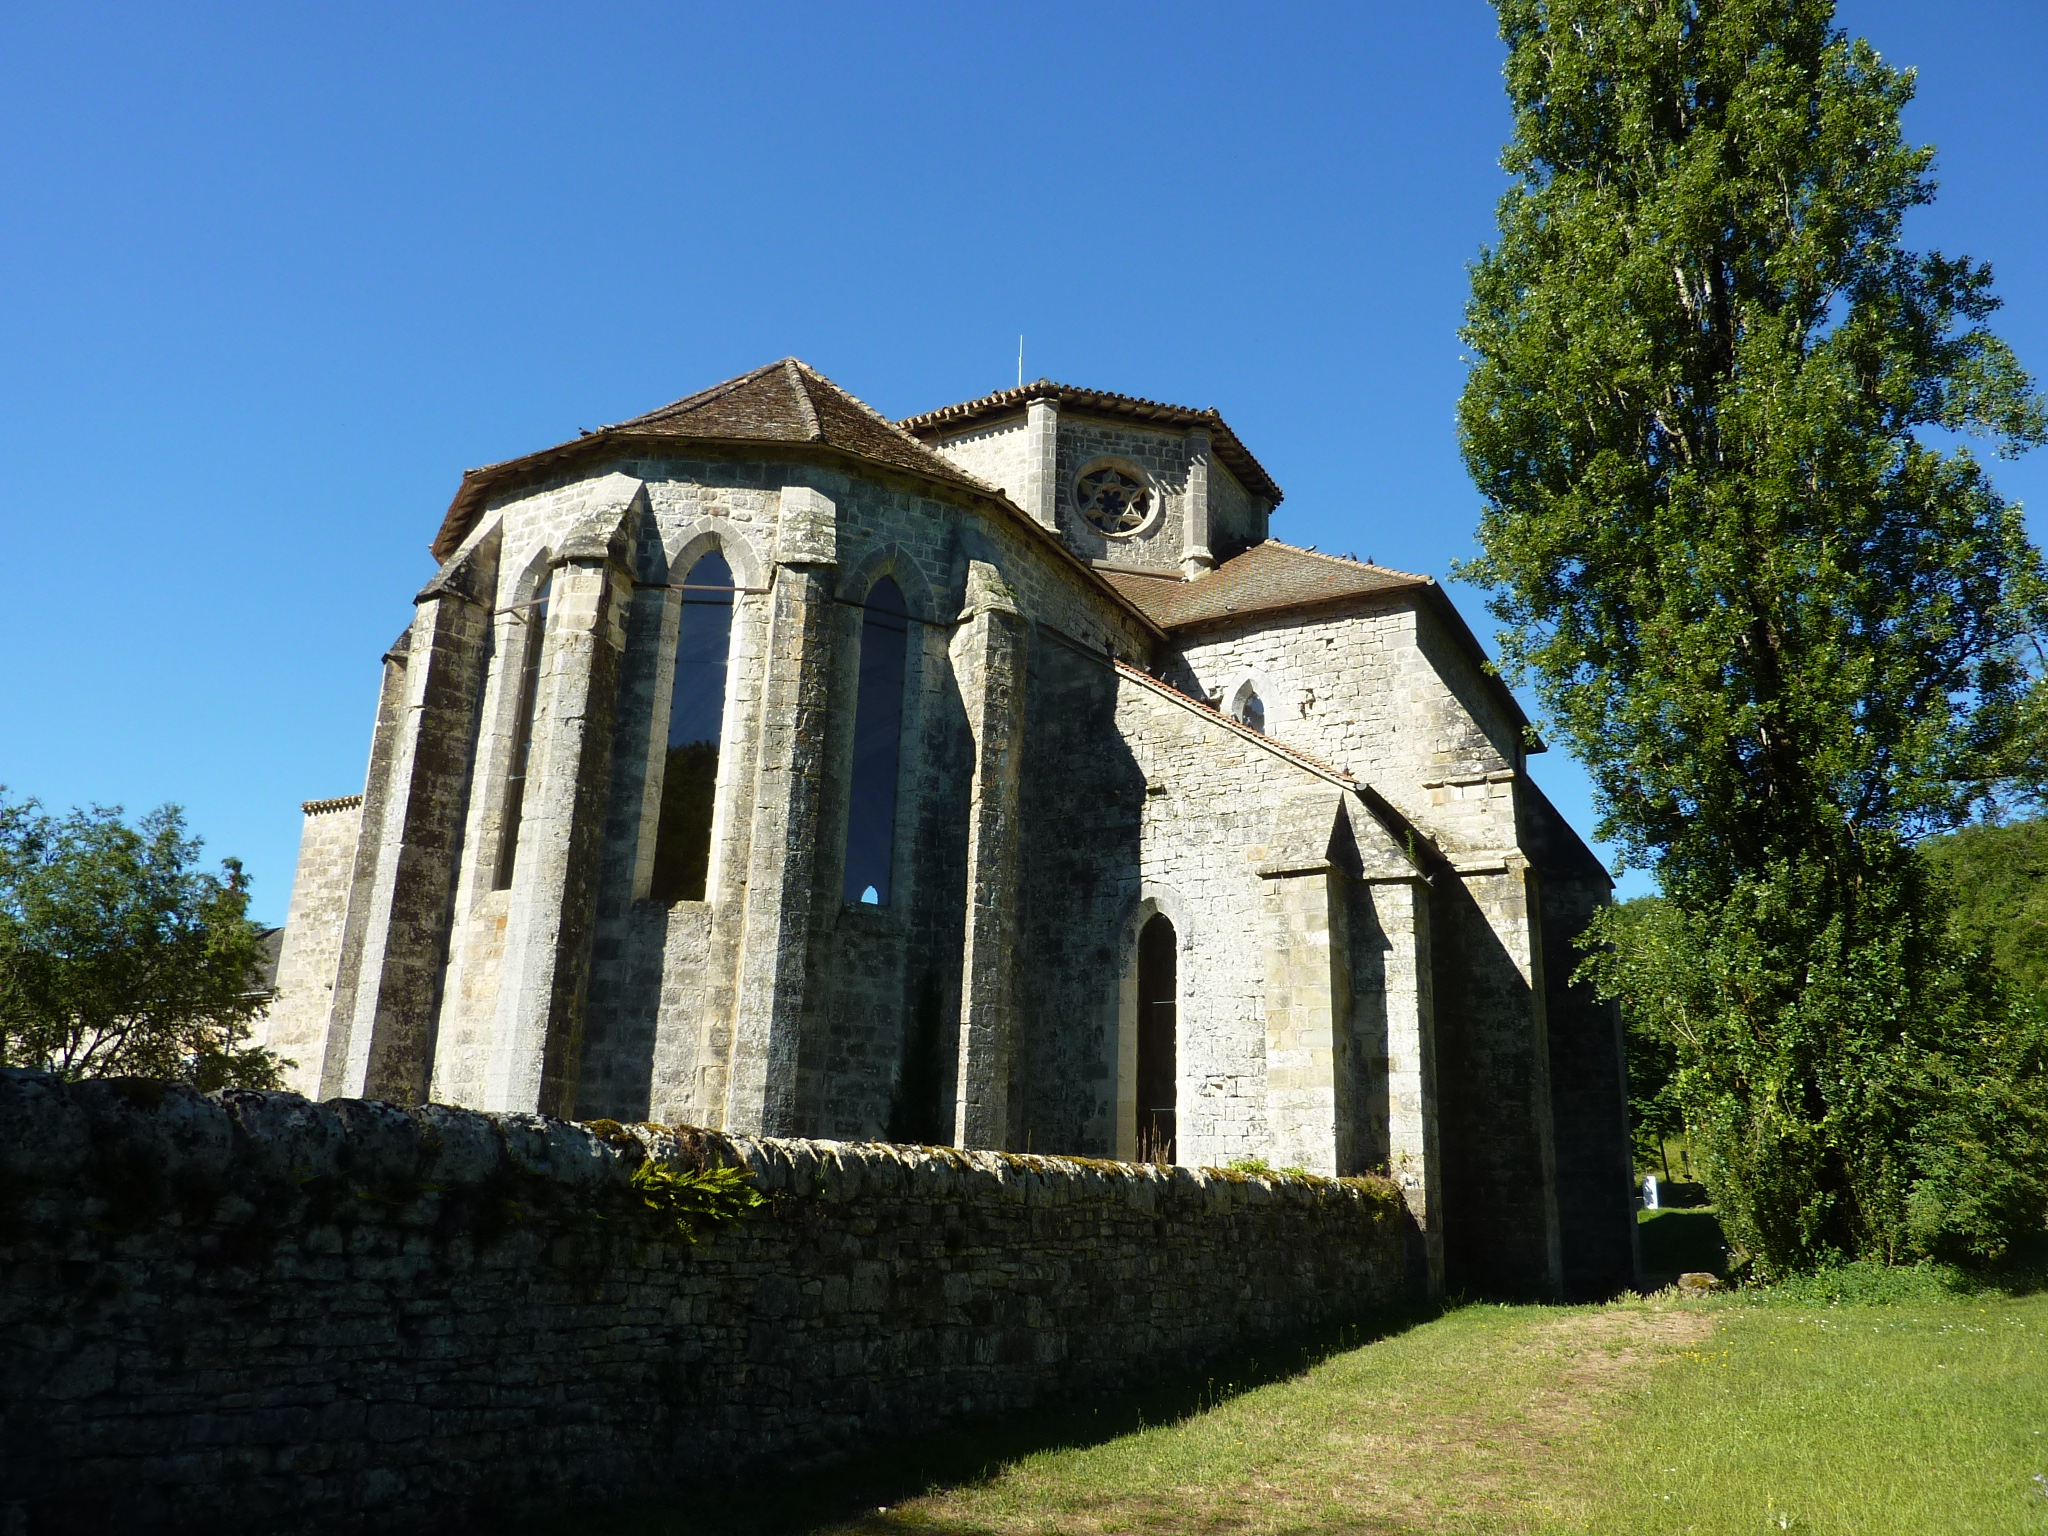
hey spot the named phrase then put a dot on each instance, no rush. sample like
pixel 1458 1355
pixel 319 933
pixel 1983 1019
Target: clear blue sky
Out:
pixel 272 276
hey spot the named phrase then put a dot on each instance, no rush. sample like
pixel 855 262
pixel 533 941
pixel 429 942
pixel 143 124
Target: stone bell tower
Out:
pixel 1131 485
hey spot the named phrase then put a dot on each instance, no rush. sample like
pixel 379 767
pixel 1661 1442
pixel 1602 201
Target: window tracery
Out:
pixel 1113 498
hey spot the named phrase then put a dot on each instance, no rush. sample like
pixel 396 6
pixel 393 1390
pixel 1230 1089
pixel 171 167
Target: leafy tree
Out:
pixel 118 957
pixel 1786 625
pixel 1999 875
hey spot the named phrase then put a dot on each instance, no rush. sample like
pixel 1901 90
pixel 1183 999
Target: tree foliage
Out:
pixel 1787 624
pixel 1655 1114
pixel 1856 1083
pixel 119 957
pixel 1999 875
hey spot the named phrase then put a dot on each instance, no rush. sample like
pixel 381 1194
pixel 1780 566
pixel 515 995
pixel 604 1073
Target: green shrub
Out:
pixel 1858 1082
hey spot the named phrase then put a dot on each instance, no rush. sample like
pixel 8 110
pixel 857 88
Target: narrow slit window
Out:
pixel 1158 1032
pixel 877 733
pixel 534 619
pixel 696 725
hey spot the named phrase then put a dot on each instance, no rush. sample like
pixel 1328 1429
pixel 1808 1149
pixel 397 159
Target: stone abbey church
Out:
pixel 991 778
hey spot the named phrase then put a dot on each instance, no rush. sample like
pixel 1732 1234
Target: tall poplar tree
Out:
pixel 1764 594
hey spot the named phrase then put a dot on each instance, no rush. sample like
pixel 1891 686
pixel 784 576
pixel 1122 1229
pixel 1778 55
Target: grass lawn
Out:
pixel 1725 1414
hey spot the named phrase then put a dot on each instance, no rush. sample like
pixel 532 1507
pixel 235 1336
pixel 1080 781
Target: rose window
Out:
pixel 1113 500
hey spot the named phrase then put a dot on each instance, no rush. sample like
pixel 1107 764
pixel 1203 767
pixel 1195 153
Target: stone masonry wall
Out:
pixel 1162 455
pixel 1235 520
pixel 251 1312
pixel 1588 1065
pixel 1379 691
pixel 662 976
pixel 1138 802
pixel 997 451
pixel 295 1023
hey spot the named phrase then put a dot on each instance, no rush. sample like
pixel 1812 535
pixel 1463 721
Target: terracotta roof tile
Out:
pixel 1101 402
pixel 785 402
pixel 1267 578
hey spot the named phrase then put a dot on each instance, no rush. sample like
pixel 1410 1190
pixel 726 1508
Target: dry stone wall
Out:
pixel 248 1311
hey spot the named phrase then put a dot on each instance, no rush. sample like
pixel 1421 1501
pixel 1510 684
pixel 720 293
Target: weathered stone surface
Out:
pixel 413 867
pixel 991 648
pixel 250 1312
pixel 537 1042
pixel 310 958
pixel 1383 985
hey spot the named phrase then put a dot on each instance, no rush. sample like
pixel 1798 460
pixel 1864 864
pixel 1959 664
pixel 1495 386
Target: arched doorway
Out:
pixel 1158 1030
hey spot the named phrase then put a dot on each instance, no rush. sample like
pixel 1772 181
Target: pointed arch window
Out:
pixel 533 616
pixel 1248 709
pixel 877 739
pixel 696 726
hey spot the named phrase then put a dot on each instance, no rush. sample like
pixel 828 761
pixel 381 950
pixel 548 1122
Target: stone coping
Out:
pixel 53 1131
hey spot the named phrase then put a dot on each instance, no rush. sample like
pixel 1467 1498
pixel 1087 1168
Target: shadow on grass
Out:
pixel 1675 1241
pixel 860 1482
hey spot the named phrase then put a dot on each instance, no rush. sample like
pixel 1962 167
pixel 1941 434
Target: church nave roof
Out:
pixel 785 402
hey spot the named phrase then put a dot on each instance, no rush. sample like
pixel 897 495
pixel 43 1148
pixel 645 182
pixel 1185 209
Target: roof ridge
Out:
pixel 1037 386
pixel 924 449
pixel 1204 707
pixel 1317 554
pixel 799 385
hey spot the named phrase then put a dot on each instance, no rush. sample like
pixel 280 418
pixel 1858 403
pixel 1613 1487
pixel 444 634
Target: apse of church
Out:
pixel 991 778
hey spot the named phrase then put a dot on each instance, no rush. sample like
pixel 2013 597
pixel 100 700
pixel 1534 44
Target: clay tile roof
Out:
pixel 1267 578
pixel 785 402
pixel 1101 402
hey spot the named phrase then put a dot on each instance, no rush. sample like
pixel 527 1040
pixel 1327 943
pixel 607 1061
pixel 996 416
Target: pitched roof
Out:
pixel 1271 577
pixel 785 402
pixel 1099 402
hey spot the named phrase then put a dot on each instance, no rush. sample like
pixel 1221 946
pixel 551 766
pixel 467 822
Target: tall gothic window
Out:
pixel 696 721
pixel 877 734
pixel 534 617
